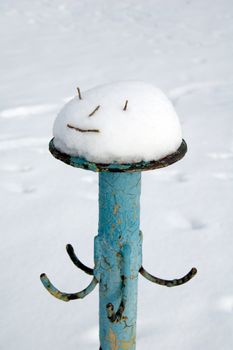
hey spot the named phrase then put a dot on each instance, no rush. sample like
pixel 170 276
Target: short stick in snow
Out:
pixel 125 106
pixel 95 110
pixel 79 93
pixel 82 130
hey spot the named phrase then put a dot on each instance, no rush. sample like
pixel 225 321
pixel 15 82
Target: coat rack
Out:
pixel 117 248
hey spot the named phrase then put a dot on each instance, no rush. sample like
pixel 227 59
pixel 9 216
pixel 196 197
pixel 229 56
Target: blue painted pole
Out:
pixel 118 248
pixel 118 255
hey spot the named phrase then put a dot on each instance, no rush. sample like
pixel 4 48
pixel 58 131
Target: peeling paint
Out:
pixel 118 247
pixel 119 221
pixel 119 241
pixel 112 340
pixel 126 345
pixel 116 208
pixel 120 344
pixel 82 163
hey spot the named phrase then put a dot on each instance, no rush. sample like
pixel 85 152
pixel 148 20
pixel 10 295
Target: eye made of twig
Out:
pixel 126 105
pixel 82 130
pixel 93 112
pixel 79 93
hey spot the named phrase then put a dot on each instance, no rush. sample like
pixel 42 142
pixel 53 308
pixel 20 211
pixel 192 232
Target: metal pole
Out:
pixel 118 258
pixel 118 248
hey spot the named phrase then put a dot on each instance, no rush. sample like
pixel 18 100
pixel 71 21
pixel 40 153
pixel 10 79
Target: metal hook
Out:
pixel 115 317
pixel 168 283
pixel 77 262
pixel 67 296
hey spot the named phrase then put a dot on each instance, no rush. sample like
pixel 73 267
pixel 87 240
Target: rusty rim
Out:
pixel 83 163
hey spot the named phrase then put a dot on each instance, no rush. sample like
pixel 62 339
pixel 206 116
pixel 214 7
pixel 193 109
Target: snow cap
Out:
pixel 123 122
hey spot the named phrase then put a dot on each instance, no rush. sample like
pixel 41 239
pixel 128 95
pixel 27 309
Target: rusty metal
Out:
pixel 67 296
pixel 117 247
pixel 82 163
pixel 169 283
pixel 76 261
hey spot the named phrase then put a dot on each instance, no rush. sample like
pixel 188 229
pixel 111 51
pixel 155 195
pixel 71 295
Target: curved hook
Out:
pixel 77 262
pixel 67 296
pixel 168 283
pixel 117 316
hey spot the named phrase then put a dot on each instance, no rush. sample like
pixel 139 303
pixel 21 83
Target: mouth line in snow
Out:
pixel 82 130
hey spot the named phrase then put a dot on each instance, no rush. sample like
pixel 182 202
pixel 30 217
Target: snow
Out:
pixel 47 49
pixel 121 122
pixel 24 111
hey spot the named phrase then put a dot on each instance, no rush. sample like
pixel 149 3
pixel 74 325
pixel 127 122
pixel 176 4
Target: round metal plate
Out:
pixel 83 163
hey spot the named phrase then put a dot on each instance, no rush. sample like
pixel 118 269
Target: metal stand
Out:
pixel 118 248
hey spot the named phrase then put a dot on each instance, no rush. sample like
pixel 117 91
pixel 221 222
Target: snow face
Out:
pixel 119 122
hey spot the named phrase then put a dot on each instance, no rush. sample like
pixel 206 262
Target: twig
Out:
pixel 125 106
pixel 82 130
pixel 96 109
pixel 79 93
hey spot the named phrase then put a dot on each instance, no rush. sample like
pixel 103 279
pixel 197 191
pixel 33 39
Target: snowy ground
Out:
pixel 48 47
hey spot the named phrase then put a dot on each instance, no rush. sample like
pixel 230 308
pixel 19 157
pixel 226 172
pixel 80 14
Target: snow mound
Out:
pixel 120 122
